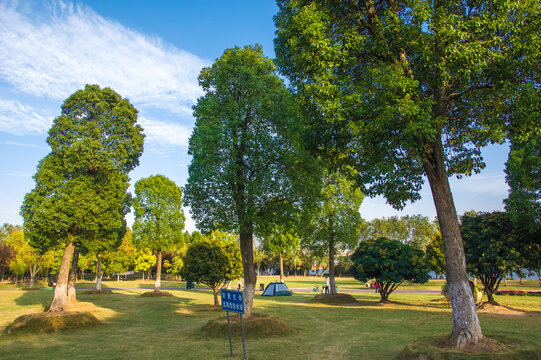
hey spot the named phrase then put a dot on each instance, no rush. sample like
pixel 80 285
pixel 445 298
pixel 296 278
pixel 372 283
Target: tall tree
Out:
pixel 246 166
pixel 336 221
pixel 283 242
pixel 406 89
pixel 159 218
pixel 81 185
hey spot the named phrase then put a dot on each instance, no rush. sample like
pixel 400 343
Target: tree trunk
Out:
pixel 98 274
pixel 466 327
pixel 250 277
pixel 72 297
pixel 16 279
pixel 60 292
pixel 158 272
pixel 281 268
pixel 34 269
pixel 143 276
pixel 538 276
pixel 215 292
pixel 332 282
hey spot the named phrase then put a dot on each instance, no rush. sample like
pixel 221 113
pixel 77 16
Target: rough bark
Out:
pixel 466 327
pixel 72 297
pixel 158 272
pixel 98 274
pixel 60 292
pixel 250 277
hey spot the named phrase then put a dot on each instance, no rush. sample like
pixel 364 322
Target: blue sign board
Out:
pixel 233 301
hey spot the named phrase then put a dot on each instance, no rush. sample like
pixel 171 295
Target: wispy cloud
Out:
pixel 13 143
pixel 53 51
pixel 165 134
pixel 17 118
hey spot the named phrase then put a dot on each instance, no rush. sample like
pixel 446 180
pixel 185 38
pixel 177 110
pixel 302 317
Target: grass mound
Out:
pixel 98 292
pixel 257 325
pixel 334 299
pixel 45 322
pixel 156 294
pixel 440 347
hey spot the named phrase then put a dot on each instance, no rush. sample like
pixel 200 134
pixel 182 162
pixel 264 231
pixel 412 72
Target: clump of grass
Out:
pixel 45 322
pixel 440 347
pixel 98 292
pixel 334 299
pixel 156 294
pixel 258 325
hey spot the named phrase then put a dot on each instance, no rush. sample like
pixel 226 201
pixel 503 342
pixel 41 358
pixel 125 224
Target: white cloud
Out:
pixel 165 134
pixel 19 119
pixel 56 50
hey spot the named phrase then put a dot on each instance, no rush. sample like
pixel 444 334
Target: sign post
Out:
pixel 234 301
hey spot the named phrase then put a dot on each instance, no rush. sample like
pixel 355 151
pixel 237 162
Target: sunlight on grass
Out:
pixel 170 327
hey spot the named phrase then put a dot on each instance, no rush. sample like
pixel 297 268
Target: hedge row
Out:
pixel 518 292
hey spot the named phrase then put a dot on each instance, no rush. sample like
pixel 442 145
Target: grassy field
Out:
pixel 343 283
pixel 169 328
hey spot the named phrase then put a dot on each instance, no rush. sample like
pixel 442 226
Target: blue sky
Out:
pixel 151 53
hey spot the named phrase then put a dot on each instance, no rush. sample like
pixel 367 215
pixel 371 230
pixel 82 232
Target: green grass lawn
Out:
pixel 169 327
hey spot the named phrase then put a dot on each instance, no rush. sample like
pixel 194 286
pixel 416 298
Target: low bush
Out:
pixel 511 292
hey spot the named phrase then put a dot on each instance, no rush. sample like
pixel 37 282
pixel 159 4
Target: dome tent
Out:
pixel 276 289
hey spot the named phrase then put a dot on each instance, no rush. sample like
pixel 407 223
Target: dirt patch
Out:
pixel 257 325
pixel 98 292
pixel 335 299
pixel 47 322
pixel 488 308
pixel 156 294
pixel 440 347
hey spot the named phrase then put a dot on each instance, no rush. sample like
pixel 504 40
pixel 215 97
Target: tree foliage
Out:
pixel 491 248
pixel 247 168
pixel 401 90
pixel 281 241
pixel 336 220
pixel 80 196
pixel 213 261
pixel 159 218
pixel 435 256
pixel 390 262
pixel 416 230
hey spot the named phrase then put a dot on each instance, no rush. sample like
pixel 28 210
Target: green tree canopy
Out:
pixel 159 218
pixel 403 90
pixel 390 262
pixel 247 169
pixel 81 185
pixel 491 248
pixel 213 261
